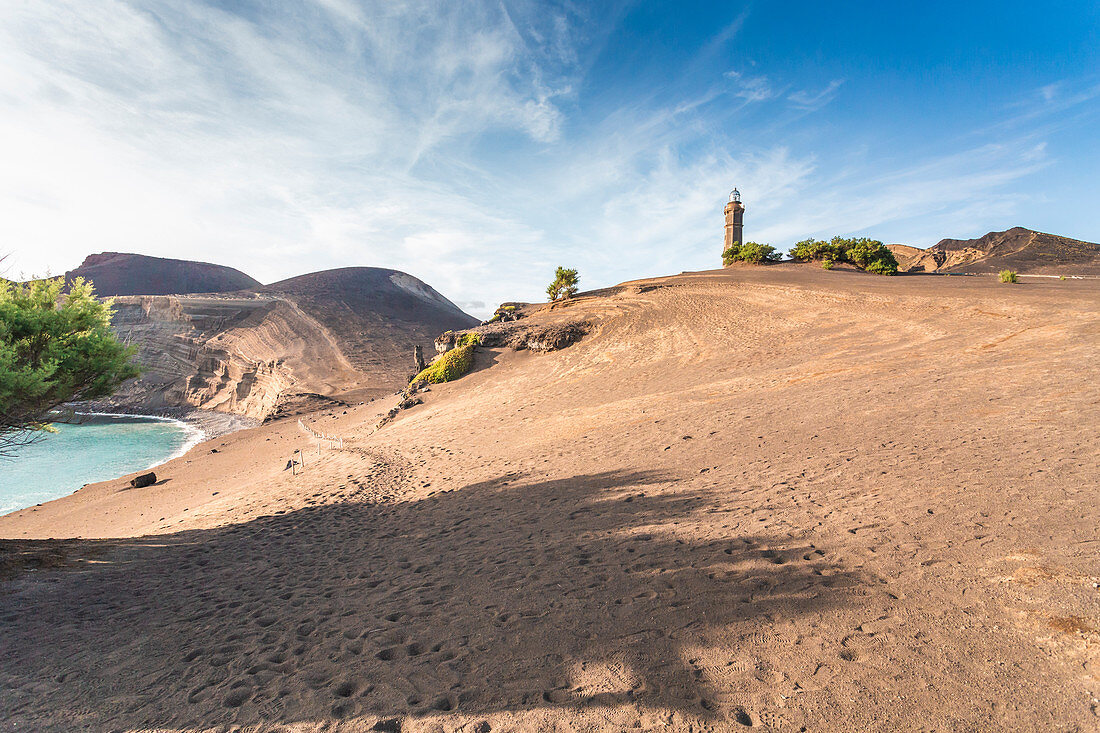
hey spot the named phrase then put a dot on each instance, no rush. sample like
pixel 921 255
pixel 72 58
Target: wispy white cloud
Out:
pixel 446 140
pixel 815 100
pixel 751 88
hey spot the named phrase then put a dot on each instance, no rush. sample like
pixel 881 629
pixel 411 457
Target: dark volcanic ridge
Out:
pixel 390 293
pixel 1019 249
pixel 119 273
pixel 376 315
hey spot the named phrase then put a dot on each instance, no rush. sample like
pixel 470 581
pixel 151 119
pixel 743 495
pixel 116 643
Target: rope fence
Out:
pixel 297 461
pixel 329 441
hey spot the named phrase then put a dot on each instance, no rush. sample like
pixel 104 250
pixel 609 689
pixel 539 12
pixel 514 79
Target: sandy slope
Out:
pixel 783 497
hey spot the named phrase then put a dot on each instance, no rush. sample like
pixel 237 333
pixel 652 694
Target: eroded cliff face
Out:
pixel 234 354
pixel 1020 249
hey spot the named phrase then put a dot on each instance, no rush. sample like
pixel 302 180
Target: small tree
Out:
pixel 564 285
pixel 54 349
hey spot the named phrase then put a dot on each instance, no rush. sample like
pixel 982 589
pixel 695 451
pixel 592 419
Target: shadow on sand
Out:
pixel 507 595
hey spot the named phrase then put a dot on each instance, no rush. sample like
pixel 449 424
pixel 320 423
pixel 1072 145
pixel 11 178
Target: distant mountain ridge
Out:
pixel 1020 249
pixel 121 273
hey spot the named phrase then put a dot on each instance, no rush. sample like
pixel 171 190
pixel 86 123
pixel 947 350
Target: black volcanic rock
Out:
pixel 145 479
pixel 118 273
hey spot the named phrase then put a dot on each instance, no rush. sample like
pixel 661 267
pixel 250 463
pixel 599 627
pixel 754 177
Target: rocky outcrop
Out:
pixel 230 354
pixel 508 312
pixel 541 337
pixel 1019 249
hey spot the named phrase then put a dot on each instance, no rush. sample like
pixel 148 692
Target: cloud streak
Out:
pixel 455 141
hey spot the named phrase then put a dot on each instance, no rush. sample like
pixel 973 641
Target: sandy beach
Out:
pixel 779 498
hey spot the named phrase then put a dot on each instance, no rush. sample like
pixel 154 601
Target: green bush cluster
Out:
pixel 1008 276
pixel 751 252
pixel 452 364
pixel 867 254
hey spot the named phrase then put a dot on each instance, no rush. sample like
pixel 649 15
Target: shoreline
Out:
pixel 198 426
pixel 211 424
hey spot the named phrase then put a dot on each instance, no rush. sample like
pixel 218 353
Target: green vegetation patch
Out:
pixel 751 252
pixel 866 254
pixel 55 347
pixel 452 364
pixel 1008 276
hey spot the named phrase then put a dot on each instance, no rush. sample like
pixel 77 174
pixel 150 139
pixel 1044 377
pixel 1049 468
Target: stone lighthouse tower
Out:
pixel 735 216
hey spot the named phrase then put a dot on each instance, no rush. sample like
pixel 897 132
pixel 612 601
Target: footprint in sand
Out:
pixel 237 697
pixel 742 716
pixel 346 688
pixel 389 654
pixel 557 697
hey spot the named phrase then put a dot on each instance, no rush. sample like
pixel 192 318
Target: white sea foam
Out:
pixel 195 435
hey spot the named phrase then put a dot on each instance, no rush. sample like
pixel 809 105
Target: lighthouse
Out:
pixel 735 215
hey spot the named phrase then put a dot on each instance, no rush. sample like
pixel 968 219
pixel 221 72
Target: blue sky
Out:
pixel 477 145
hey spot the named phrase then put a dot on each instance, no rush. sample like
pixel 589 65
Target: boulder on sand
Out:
pixel 145 479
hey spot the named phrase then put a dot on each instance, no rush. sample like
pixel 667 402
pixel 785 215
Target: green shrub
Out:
pixel 54 348
pixel 870 255
pixel 867 254
pixel 730 254
pixel 758 253
pixel 564 285
pixel 469 339
pixel 1061 277
pixel 751 252
pixel 827 264
pixel 1008 276
pixel 813 249
pixel 452 364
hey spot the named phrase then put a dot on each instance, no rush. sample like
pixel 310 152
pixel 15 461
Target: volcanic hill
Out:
pixel 374 314
pixel 119 273
pixel 1019 249
pixel 345 334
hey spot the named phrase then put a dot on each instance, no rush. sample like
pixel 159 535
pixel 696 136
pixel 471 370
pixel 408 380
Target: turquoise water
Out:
pixel 102 447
